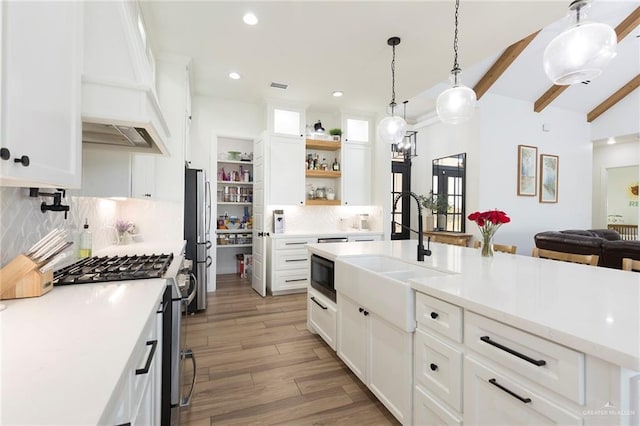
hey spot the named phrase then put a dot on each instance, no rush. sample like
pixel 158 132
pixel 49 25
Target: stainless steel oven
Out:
pixel 322 276
pixel 183 380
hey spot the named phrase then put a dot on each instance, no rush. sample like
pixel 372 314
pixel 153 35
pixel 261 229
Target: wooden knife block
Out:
pixel 21 278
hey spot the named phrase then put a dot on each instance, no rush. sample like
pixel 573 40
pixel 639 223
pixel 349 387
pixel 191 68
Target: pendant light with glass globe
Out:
pixel 582 51
pixel 392 129
pixel 456 104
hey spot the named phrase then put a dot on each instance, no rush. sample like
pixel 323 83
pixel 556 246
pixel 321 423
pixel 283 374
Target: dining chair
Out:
pixel 498 247
pixel 586 259
pixel 629 264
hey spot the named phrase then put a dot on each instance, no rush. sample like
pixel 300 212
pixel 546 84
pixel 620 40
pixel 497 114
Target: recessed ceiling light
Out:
pixel 611 141
pixel 250 19
pixel 337 93
pixel 234 76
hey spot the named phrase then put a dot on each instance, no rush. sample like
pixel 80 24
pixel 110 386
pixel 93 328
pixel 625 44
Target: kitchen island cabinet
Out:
pixel 515 339
pixel 40 125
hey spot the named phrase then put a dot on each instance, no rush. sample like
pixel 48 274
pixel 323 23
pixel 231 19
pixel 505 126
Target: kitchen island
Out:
pixel 65 355
pixel 579 324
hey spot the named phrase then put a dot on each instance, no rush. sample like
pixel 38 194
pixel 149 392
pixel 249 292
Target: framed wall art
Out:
pixel 549 178
pixel 527 169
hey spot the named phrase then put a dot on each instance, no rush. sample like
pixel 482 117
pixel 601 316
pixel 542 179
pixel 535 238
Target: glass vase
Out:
pixel 121 238
pixel 487 245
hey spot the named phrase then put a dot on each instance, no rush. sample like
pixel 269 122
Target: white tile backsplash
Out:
pixel 22 223
pixel 326 219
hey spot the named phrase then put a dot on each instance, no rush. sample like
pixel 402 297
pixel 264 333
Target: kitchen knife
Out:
pixel 53 262
pixel 42 241
pixel 53 242
pixel 52 251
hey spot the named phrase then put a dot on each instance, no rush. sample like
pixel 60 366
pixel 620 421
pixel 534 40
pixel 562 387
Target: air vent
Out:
pixel 586 82
pixel 279 85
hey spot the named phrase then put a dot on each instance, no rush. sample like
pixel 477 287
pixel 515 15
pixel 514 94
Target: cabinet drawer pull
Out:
pixel 5 154
pixel 24 160
pixel 433 367
pixel 434 315
pixel 296 280
pixel 295 244
pixel 513 394
pixel 318 303
pixel 296 260
pixel 366 313
pixel 145 370
pixel 538 362
pixel 361 310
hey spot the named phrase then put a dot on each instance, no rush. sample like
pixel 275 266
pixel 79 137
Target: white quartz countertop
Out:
pixel 61 354
pixel 591 309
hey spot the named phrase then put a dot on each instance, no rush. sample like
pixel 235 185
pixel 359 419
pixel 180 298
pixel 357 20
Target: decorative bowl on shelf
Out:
pixel 235 225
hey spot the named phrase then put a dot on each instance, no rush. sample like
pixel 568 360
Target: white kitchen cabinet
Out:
pixel 117 174
pixel 322 315
pixel 288 264
pixel 285 166
pixel 492 398
pixel 137 397
pixel 40 127
pixel 378 353
pixel 356 174
pixel 286 119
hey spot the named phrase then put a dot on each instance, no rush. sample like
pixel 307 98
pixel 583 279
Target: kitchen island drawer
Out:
pixel 322 316
pixel 291 259
pixel 549 364
pixel 439 316
pixel 427 411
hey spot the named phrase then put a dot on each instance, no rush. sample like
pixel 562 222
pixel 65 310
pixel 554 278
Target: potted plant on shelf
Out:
pixel 336 133
pixel 437 203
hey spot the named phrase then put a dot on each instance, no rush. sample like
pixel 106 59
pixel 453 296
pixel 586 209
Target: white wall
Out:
pixel 491 140
pixel 621 119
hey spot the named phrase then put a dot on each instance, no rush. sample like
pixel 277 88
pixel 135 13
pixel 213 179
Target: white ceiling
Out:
pixel 317 47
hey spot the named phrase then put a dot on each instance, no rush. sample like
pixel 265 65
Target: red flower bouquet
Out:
pixel 489 222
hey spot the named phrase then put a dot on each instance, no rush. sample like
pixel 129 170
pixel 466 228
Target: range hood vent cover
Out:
pixel 110 134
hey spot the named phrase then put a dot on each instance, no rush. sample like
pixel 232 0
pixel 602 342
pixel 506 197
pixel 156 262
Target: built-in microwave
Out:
pixel 322 276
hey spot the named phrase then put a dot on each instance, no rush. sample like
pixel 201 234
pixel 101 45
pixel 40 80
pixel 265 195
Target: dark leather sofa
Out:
pixel 606 243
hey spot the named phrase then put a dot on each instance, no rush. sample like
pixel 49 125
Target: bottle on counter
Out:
pixel 86 241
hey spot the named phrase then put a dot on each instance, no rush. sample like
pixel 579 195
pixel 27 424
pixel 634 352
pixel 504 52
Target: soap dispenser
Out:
pixel 85 241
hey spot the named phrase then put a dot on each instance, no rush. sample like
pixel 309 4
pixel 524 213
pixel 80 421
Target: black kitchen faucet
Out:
pixel 421 250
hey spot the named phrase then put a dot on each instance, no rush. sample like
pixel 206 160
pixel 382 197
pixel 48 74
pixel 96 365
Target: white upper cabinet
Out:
pixel 41 61
pixel 286 170
pixel 356 160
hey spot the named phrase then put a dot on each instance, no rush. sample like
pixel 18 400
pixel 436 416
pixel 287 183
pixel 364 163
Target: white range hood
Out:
pixel 120 108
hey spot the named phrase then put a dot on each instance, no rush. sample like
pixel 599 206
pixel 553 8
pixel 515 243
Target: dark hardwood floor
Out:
pixel 258 364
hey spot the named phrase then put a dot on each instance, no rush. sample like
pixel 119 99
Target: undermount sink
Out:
pixel 381 284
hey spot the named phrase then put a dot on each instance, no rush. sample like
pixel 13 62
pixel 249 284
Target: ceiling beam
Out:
pixel 622 30
pixel 500 66
pixel 632 85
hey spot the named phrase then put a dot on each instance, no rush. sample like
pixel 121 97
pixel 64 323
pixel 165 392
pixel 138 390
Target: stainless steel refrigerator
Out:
pixel 197 227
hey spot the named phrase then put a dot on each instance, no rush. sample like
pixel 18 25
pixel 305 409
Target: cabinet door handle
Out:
pixel 318 303
pixel 434 315
pixel 360 310
pixel 5 154
pixel 433 367
pixel 296 260
pixel 147 365
pixel 296 280
pixel 24 160
pixel 538 362
pixel 366 313
pixel 510 392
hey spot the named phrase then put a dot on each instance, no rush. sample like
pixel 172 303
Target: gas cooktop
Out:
pixel 113 268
